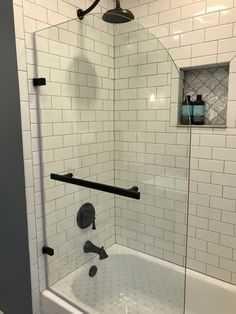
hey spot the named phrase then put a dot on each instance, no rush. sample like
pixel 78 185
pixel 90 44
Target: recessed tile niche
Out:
pixel 212 83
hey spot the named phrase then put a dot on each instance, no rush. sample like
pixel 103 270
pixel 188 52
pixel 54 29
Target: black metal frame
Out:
pixel 81 13
pixel 68 178
pixel 39 81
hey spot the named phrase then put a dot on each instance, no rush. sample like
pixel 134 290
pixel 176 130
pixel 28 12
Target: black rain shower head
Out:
pixel 118 15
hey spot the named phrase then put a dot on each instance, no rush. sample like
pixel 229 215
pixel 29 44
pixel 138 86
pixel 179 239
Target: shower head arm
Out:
pixel 117 4
pixel 81 13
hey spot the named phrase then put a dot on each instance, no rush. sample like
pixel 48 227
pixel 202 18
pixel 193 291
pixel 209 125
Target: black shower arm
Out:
pixel 81 13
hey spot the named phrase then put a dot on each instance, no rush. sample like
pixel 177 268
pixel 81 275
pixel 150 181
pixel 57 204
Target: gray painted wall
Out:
pixel 15 287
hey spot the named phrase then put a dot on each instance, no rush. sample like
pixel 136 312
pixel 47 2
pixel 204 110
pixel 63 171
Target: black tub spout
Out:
pixel 89 247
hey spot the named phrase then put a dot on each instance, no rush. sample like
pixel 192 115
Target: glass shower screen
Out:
pixel 109 114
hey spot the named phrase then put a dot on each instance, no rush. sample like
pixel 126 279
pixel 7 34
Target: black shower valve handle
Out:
pixel 94 226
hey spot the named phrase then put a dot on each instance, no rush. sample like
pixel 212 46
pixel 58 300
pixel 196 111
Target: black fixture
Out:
pixel 93 270
pixel 47 250
pixel 39 81
pixel 118 15
pixel 86 216
pixel 81 13
pixel 89 247
pixel 68 178
pixel 114 16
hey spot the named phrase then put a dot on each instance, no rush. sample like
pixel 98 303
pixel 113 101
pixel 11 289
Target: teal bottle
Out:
pixel 186 111
pixel 198 111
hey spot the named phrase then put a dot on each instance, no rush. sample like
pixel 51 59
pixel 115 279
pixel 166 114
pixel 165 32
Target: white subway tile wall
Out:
pixel 171 21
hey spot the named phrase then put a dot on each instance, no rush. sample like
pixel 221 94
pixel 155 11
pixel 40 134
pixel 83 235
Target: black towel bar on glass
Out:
pixel 68 178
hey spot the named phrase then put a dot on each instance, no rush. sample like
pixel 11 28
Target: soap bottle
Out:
pixel 186 111
pixel 198 111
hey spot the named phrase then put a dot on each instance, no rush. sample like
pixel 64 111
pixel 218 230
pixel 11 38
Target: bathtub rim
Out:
pixel 189 275
pixel 62 301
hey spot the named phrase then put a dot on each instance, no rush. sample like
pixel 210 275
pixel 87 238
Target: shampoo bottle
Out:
pixel 186 111
pixel 198 111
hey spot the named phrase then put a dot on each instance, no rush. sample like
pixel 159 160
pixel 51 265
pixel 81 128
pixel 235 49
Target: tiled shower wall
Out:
pixel 31 16
pixel 196 33
pixel 199 33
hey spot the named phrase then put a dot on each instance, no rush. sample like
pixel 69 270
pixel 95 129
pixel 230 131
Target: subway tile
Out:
pixel 196 265
pixel 230 167
pixel 181 52
pixel 229 217
pixel 219 250
pixel 52 5
pixel 200 176
pixel 23 85
pixel 232 92
pixel 181 26
pixel 201 152
pixel 228 241
pixel 48 60
pixel 149 21
pixel 219 32
pixel 210 213
pixel 207 258
pixel 204 61
pixel 212 140
pixel 211 165
pixel 228 16
pixel 228 264
pixel 194 9
pixel 21 57
pixel 160 30
pixel 227 45
pixel 141 10
pixel 159 6
pixel 198 222
pixel 229 192
pixel 223 179
pixel 35 11
pixel 197 244
pixel 191 38
pixel 206 21
pixel 171 41
pixel 217 5
pixel 179 3
pixel 221 227
pixel 169 16
pixel 210 189
pixel 55 18
pixel 224 154
pixel 204 49
pixel 218 273
pixel 208 236
pixel 222 203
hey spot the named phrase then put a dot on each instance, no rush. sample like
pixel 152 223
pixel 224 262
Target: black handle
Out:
pixel 94 226
pixel 68 178
pixel 48 250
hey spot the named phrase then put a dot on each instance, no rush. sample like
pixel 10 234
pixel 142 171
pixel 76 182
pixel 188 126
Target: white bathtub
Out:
pixel 129 282
pixel 206 295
